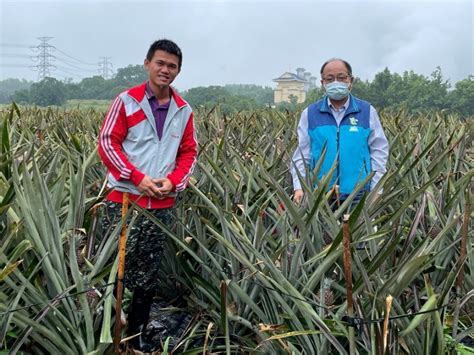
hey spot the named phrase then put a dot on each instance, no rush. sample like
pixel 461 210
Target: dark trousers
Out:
pixel 146 245
pixel 335 203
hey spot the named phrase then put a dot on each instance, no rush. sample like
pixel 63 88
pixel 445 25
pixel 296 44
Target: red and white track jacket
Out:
pixel 130 148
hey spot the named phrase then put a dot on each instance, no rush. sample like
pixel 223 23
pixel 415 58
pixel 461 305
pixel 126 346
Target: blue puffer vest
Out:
pixel 348 143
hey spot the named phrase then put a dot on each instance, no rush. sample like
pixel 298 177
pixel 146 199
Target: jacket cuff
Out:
pixel 173 181
pixel 136 177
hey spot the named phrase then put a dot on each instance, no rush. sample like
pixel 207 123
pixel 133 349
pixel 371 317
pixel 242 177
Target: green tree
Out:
pixel 395 93
pixel 131 75
pixel 95 88
pixel 73 90
pixel 461 99
pixel 362 90
pixel 378 90
pixel 117 90
pixel 438 90
pixel 9 86
pixel 218 95
pixel 21 97
pixel 262 95
pixel 313 95
pixel 416 92
pixel 205 96
pixel 48 91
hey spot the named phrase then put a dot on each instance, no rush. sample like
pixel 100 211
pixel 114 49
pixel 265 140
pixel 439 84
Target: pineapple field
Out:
pixel 250 271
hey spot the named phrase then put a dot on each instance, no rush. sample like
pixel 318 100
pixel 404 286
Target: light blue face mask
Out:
pixel 337 90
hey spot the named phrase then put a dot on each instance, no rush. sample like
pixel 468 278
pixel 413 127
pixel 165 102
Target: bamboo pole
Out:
pixel 120 274
pixel 346 258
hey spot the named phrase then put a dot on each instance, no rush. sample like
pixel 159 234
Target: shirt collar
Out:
pixel 151 96
pixel 343 107
pixel 148 91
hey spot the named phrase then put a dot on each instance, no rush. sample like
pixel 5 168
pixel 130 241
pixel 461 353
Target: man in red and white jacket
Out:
pixel 148 144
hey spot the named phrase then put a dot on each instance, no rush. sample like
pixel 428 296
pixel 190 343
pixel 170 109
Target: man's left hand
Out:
pixel 166 186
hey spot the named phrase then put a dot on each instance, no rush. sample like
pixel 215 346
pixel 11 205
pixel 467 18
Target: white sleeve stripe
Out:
pixel 110 121
pixel 181 186
pixel 184 181
pixel 125 174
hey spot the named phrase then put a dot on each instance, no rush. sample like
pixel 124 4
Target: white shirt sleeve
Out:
pixel 378 147
pixel 302 154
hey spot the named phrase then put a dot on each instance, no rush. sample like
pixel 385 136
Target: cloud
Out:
pixel 231 41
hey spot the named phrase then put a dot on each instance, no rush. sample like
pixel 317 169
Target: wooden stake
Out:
pixel 347 261
pixel 346 240
pixel 388 307
pixel 120 273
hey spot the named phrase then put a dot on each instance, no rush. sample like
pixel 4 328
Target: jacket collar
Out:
pixel 139 92
pixel 352 108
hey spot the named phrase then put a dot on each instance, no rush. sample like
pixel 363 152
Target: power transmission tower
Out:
pixel 105 68
pixel 44 57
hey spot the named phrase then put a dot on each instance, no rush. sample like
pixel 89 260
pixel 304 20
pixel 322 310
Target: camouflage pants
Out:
pixel 146 244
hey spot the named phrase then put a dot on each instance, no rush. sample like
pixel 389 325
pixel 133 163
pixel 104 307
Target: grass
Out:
pixel 98 105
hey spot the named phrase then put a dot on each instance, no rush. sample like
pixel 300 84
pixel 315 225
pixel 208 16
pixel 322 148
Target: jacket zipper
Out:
pixel 158 153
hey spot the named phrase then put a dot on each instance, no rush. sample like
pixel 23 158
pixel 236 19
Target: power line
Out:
pixel 74 66
pixel 16 65
pixel 15 55
pixel 36 58
pixel 44 58
pixel 78 60
pixel 354 321
pixel 15 45
pixel 64 70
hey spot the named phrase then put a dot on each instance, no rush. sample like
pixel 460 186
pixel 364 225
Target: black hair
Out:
pixel 348 66
pixel 167 46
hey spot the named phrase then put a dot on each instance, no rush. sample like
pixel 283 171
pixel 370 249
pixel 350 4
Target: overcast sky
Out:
pixel 241 42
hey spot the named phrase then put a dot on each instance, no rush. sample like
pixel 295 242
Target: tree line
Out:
pixel 414 92
pixel 409 90
pixel 51 91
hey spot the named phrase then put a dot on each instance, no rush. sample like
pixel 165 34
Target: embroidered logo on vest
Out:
pixel 353 122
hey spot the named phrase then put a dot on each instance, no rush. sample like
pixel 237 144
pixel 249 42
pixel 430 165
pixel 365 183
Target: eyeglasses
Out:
pixel 339 77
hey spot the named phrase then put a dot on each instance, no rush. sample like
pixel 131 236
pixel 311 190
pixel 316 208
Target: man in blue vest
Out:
pixel 350 131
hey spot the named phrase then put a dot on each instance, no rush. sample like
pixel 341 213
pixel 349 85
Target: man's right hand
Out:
pixel 149 188
pixel 298 196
